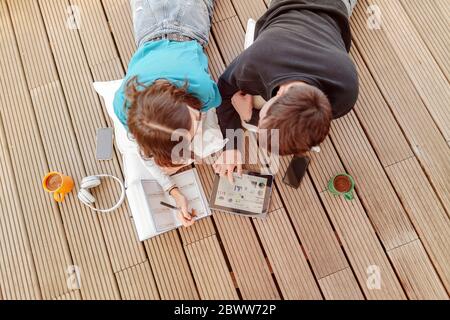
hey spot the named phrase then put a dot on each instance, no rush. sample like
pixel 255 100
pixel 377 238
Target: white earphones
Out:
pixel 92 182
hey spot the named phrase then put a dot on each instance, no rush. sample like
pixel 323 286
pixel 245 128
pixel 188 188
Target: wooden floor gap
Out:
pixel 398 162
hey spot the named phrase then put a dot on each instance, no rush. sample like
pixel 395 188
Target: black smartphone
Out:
pixel 296 171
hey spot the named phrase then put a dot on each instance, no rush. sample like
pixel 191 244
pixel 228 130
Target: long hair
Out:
pixel 154 113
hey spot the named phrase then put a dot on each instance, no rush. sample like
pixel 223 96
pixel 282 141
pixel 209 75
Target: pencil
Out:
pixel 165 204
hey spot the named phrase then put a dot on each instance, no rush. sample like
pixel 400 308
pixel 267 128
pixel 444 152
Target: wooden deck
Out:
pixel 312 246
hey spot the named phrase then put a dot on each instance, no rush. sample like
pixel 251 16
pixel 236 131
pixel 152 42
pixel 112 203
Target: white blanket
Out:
pixel 135 169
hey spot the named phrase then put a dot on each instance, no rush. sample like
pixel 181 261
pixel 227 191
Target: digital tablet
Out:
pixel 249 195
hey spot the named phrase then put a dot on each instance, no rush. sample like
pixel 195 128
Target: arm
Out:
pixel 243 103
pixel 169 185
pixel 238 83
pixel 228 116
pixel 228 119
pixel 164 180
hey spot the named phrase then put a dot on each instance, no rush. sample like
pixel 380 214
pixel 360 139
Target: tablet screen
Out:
pixel 250 194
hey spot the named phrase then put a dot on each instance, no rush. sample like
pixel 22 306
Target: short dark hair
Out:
pixel 302 115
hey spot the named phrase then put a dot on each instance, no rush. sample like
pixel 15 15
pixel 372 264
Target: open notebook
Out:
pixel 144 195
pixel 165 219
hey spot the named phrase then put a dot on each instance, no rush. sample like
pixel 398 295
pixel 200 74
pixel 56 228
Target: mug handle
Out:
pixel 349 196
pixel 59 197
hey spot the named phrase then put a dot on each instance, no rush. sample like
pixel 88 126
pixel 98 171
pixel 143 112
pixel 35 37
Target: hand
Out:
pixel 243 103
pixel 183 215
pixel 227 162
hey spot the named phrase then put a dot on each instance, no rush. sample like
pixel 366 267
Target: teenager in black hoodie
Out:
pixel 299 64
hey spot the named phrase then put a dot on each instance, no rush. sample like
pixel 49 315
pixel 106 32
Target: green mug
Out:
pixel 348 193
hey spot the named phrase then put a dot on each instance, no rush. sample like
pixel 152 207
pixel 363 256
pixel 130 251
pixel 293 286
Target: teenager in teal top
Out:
pixel 168 88
pixel 176 62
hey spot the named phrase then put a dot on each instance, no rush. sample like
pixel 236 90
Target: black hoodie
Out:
pixel 295 40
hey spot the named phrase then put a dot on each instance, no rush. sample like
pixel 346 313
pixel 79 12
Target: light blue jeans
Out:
pixel 153 18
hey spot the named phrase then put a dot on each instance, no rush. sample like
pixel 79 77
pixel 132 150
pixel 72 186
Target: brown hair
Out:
pixel 154 113
pixel 302 115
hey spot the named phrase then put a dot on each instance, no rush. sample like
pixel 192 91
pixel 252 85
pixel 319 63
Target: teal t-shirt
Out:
pixel 173 61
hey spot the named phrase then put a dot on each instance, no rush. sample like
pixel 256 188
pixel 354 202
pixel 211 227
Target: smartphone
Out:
pixel 296 171
pixel 104 144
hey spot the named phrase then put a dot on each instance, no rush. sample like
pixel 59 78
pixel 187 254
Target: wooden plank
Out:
pixel 86 115
pixel 362 246
pixel 170 267
pixel 250 269
pixel 242 249
pixel 18 278
pixel 426 212
pixel 81 226
pixel 332 289
pixel 323 168
pixel 374 188
pixel 380 125
pixel 241 270
pixel 209 267
pixel 247 9
pixel 120 21
pixel 312 225
pixel 418 62
pixel 431 19
pixel 355 230
pixel 289 264
pixel 136 284
pixel 353 227
pixel 409 256
pixel 280 242
pixel 21 138
pixel 95 34
pixel 406 104
pixel 423 206
pixel 216 64
pixel 223 10
pixel 227 30
pixel 417 275
pixel 200 230
pixel 396 217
